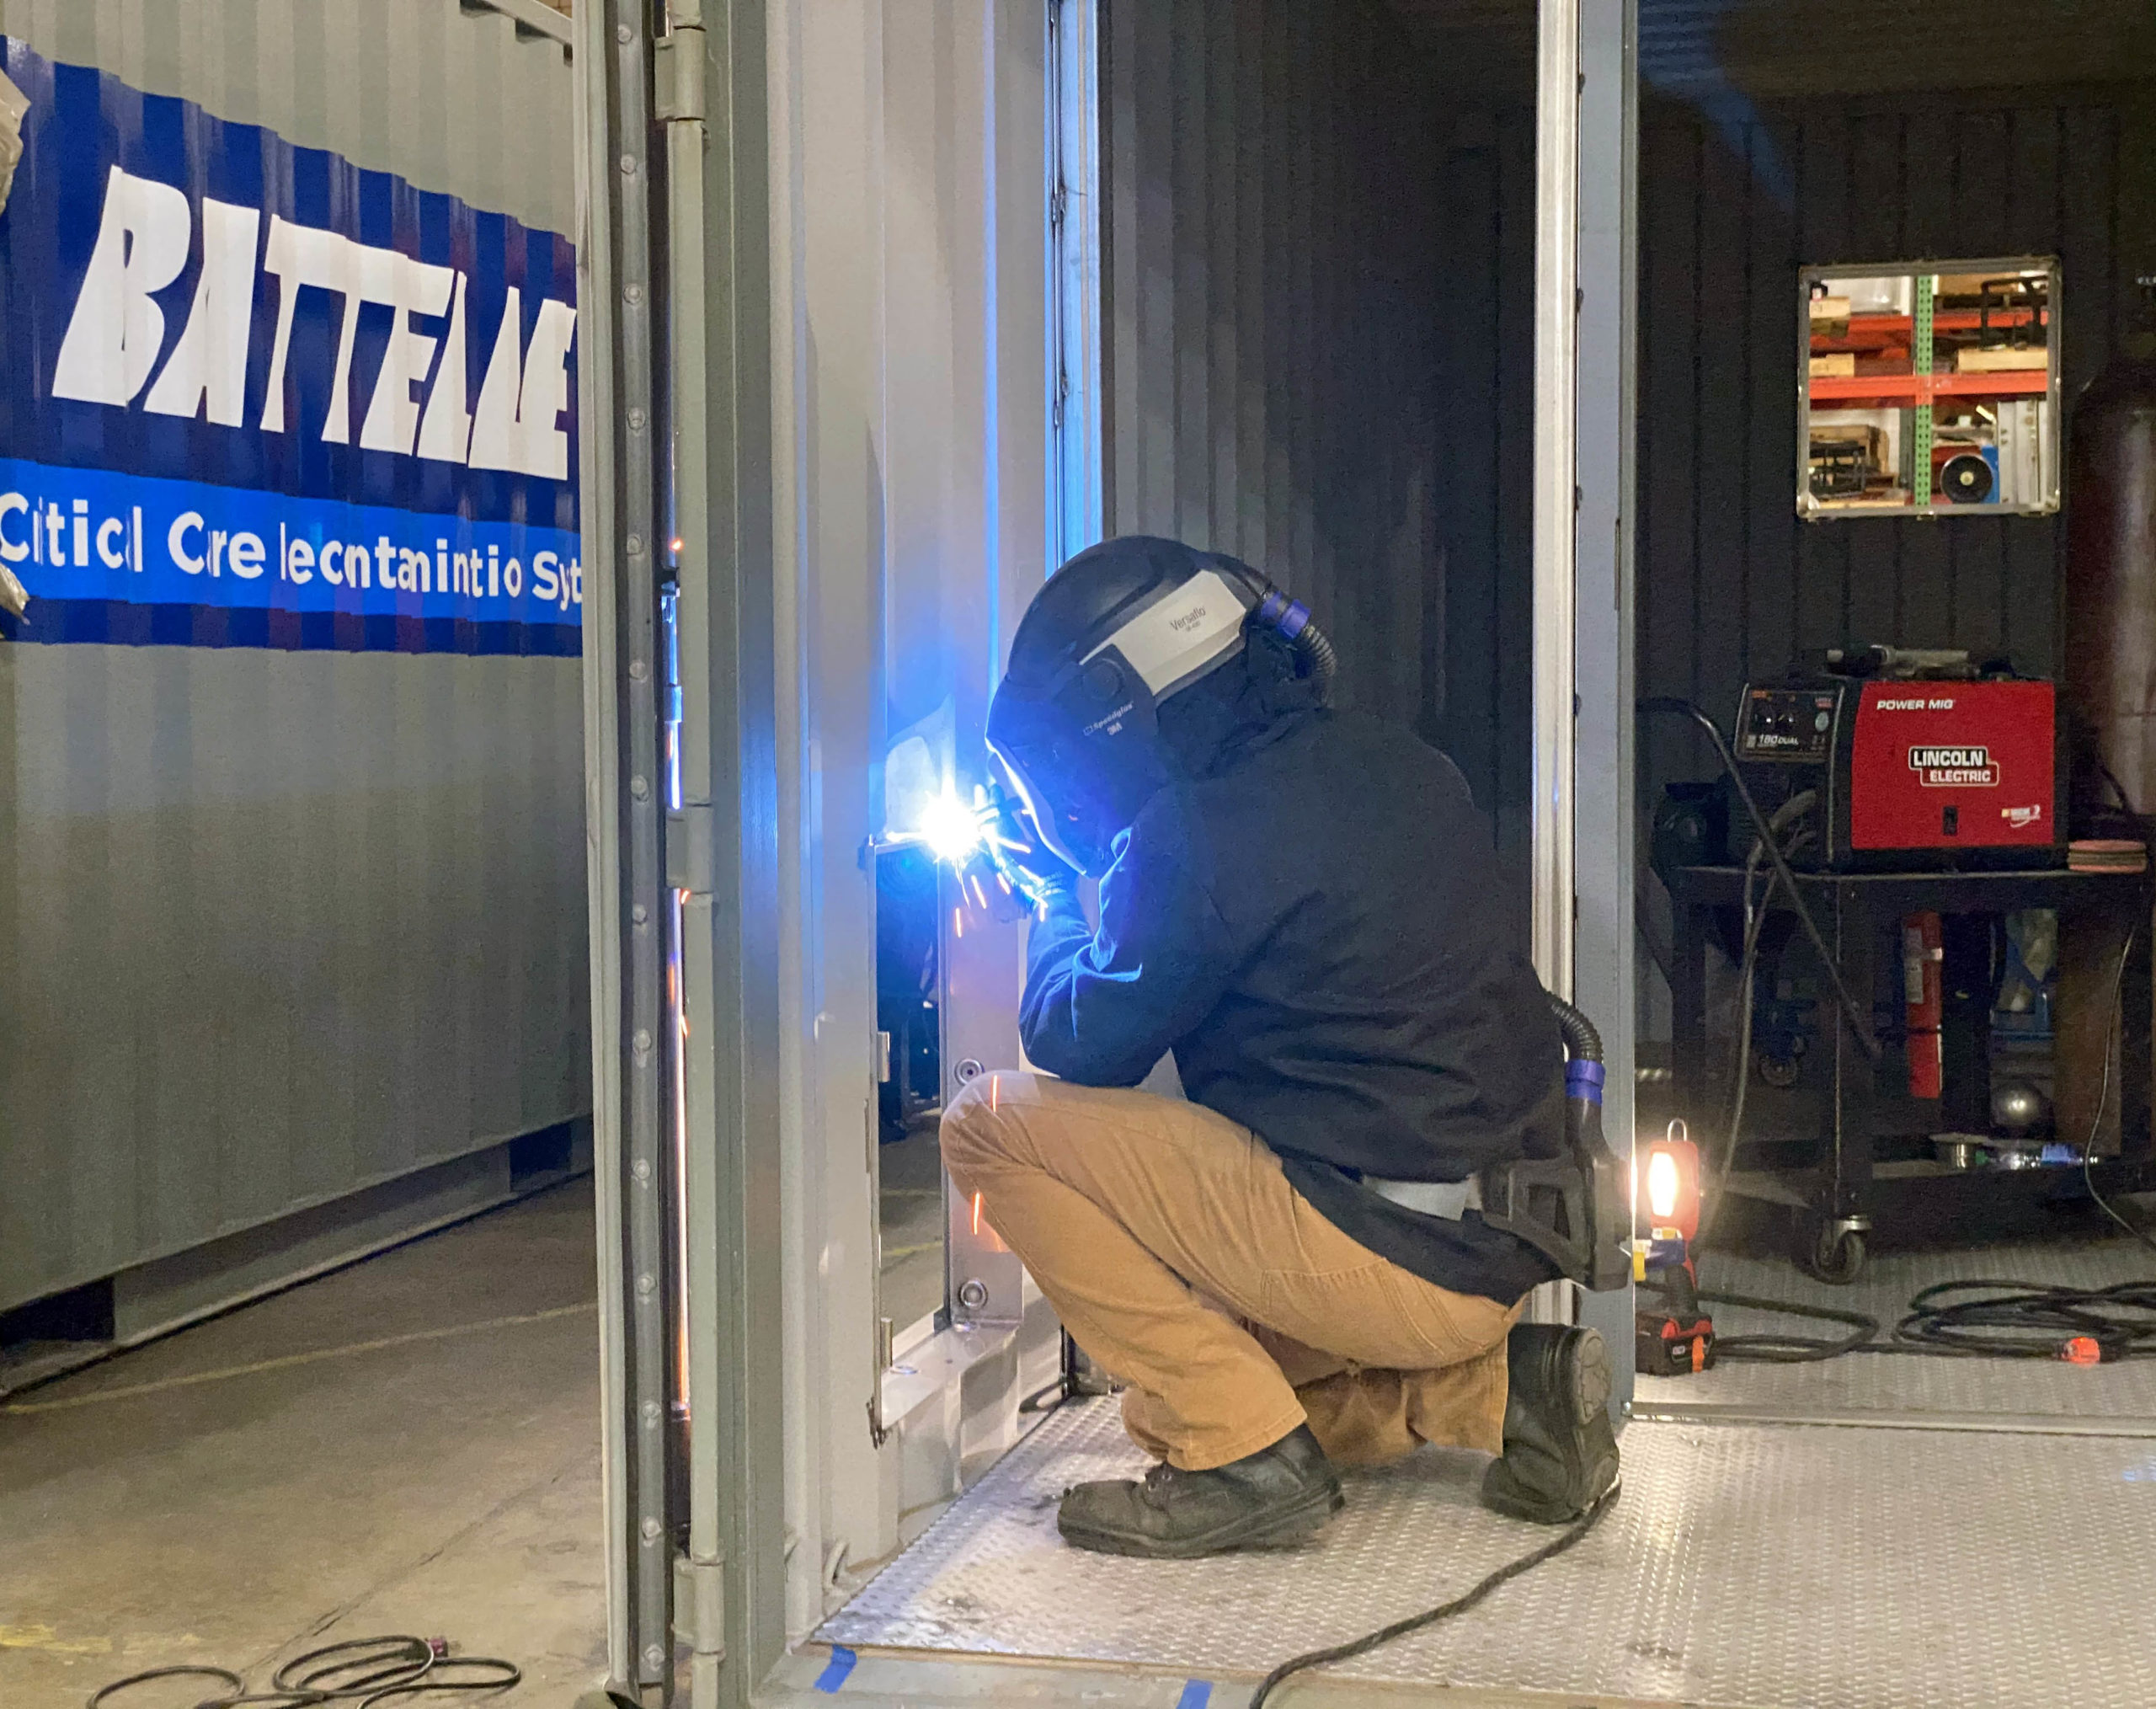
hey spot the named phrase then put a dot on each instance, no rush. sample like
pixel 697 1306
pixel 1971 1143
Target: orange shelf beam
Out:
pixel 1899 389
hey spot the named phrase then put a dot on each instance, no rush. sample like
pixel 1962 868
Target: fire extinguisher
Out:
pixel 1922 959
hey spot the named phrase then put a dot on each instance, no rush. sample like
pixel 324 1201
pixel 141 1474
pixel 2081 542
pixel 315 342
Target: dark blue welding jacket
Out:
pixel 1311 920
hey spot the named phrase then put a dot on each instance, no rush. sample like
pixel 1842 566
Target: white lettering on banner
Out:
pixel 115 333
pixel 210 358
pixel 179 554
pixel 117 330
pixel 15 505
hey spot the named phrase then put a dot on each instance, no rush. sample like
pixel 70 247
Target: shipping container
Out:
pixel 291 858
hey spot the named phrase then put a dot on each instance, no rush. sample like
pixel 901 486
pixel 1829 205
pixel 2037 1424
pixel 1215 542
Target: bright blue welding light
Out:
pixel 948 829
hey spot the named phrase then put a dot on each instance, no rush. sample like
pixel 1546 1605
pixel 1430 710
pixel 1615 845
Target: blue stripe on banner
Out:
pixel 284 571
pixel 835 1675
pixel 1196 1695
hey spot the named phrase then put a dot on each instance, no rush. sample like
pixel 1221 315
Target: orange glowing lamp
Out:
pixel 1666 1186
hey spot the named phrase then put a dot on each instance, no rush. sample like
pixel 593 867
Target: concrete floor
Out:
pixel 279 1478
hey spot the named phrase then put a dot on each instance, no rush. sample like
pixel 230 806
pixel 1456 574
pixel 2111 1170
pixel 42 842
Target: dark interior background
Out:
pixel 1319 238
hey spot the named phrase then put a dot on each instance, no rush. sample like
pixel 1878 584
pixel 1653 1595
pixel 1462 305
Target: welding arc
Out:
pixel 1460 1604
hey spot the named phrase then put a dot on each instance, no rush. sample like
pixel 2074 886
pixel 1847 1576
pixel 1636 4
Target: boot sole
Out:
pixel 1280 1528
pixel 1590 1379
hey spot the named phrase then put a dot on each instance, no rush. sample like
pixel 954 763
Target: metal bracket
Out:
pixel 690 861
pixel 678 70
pixel 700 1604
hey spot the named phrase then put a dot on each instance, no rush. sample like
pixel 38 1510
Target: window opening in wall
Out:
pixel 1931 388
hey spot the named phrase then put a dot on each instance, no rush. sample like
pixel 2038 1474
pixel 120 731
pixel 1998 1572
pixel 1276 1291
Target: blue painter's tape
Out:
pixel 1196 1695
pixel 835 1675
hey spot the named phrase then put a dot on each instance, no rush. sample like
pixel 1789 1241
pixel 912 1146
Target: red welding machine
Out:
pixel 1922 770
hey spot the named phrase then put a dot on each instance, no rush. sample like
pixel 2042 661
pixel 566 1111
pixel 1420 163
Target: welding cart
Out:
pixel 1874 1132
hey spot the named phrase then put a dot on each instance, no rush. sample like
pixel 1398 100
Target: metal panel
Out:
pixel 1602 980
pixel 277 926
pixel 1269 351
pixel 453 99
pixel 1755 1568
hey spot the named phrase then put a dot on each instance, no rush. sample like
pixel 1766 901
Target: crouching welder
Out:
pixel 1321 1258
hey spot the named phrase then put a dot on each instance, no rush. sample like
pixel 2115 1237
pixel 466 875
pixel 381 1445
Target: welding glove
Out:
pixel 1023 862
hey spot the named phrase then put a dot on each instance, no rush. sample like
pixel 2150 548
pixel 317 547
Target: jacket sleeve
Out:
pixel 1102 1006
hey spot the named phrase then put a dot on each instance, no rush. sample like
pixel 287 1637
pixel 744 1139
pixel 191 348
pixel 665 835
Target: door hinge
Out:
pixel 699 1604
pixel 678 69
pixel 882 1057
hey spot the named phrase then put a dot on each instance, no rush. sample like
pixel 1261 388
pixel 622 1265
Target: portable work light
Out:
pixel 1667 1187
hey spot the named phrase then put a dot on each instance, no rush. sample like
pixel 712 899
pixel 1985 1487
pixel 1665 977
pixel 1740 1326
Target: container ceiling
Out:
pixel 1767 49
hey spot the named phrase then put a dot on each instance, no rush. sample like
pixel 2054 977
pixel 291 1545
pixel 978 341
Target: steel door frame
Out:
pixel 695 153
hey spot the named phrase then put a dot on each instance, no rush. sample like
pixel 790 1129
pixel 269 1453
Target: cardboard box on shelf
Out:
pixel 2001 359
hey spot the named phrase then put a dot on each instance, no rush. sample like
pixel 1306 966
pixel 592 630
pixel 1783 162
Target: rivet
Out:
pixel 967 1071
pixel 651 1533
pixel 628 166
pixel 624 34
pixel 639 914
pixel 646 1287
pixel 639 670
pixel 973 1293
pixel 643 1040
pixel 636 418
pixel 652 1415
pixel 633 293
pixel 638 787
pixel 655 1658
pixel 635 544
pixel 642 1171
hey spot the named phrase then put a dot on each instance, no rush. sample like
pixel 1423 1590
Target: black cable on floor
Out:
pixel 1400 1628
pixel 363 1672
pixel 2016 1321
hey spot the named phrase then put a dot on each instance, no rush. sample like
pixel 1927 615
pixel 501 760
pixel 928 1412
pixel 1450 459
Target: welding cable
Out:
pixel 2017 1321
pixel 104 1694
pixel 1755 920
pixel 498 1676
pixel 1771 1347
pixel 1858 1020
pixel 1505 1574
pixel 2104 1096
pixel 357 1666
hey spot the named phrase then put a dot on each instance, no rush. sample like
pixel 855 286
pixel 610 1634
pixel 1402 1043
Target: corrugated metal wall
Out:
pixel 274 925
pixel 1732 583
pixel 1318 354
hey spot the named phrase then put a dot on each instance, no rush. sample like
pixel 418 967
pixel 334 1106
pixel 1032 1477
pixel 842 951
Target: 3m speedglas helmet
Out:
pixel 1117 630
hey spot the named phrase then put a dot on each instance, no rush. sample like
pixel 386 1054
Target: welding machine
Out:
pixel 1915 760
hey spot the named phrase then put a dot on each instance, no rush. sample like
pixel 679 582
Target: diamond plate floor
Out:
pixel 1746 1567
pixel 2026 1390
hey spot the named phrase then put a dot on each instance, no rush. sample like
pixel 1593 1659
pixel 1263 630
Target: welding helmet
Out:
pixel 1117 630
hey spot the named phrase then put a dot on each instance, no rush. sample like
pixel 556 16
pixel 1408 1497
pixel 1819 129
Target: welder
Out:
pixel 1287 1268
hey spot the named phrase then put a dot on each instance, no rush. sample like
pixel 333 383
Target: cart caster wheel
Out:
pixel 1833 1255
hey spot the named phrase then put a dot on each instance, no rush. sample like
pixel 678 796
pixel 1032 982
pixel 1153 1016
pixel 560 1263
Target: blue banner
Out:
pixel 253 395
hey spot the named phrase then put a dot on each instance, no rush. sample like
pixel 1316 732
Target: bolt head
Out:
pixel 647 1286
pixel 628 166
pixel 638 787
pixel 632 293
pixel 639 914
pixel 654 1658
pixel 639 670
pixel 651 1531
pixel 636 417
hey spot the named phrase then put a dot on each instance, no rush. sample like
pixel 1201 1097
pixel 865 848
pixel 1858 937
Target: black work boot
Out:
pixel 1561 1453
pixel 1272 1499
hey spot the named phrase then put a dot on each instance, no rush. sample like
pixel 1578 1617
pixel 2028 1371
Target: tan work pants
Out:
pixel 1182 1260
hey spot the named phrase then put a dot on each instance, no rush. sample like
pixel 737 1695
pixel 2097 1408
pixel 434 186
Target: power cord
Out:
pixel 363 1672
pixel 1573 1535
